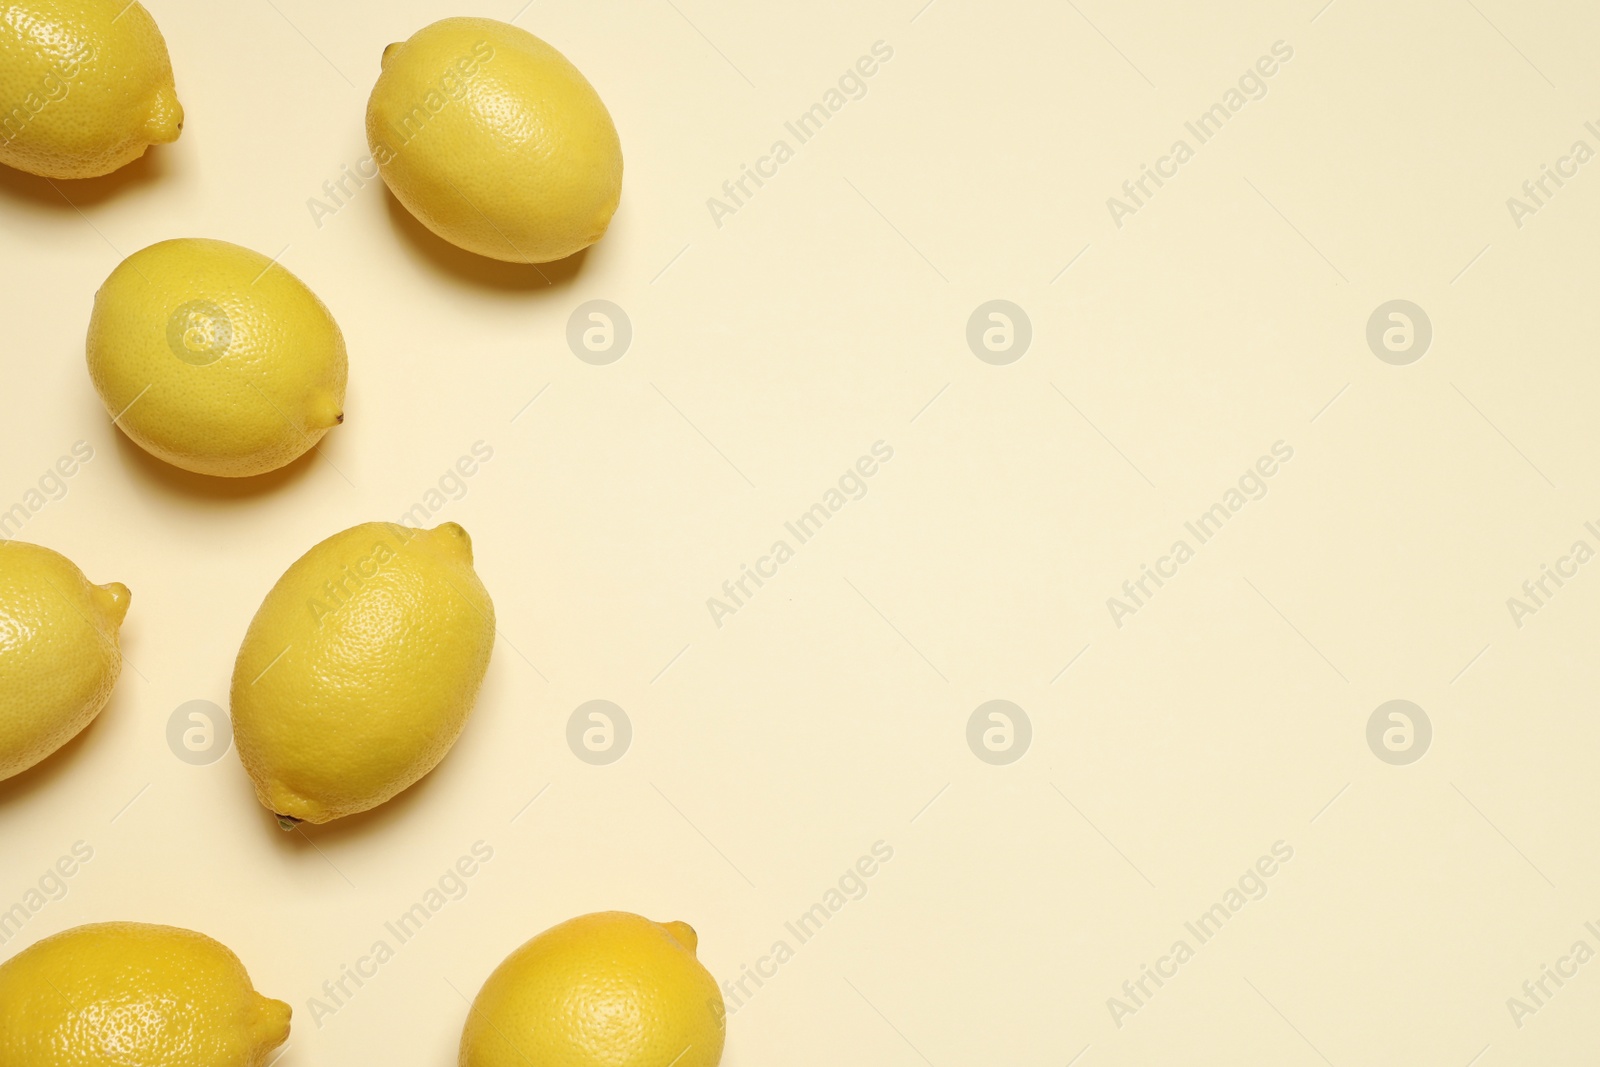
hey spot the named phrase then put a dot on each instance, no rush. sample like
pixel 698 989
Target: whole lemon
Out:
pixel 611 989
pixel 495 141
pixel 86 86
pixel 59 657
pixel 134 995
pixel 360 669
pixel 215 359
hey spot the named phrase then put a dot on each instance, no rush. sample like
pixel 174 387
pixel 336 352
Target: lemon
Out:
pixel 134 995
pixel 360 669
pixel 605 990
pixel 215 359
pixel 59 657
pixel 85 86
pixel 495 141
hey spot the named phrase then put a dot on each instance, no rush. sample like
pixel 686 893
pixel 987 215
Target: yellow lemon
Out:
pixel 215 359
pixel 360 669
pixel 134 995
pixel 85 86
pixel 495 141
pixel 59 657
pixel 605 990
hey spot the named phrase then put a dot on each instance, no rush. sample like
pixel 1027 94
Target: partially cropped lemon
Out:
pixel 611 989
pixel 216 359
pixel 134 995
pixel 495 141
pixel 85 86
pixel 360 669
pixel 59 655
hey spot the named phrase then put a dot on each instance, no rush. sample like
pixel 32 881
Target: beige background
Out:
pixel 829 313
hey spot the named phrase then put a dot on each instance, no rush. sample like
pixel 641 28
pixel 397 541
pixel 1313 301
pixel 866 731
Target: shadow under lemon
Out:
pixel 430 248
pixel 148 471
pixel 68 194
pixel 308 835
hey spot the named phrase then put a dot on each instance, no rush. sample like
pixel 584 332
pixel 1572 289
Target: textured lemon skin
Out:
pixel 134 995
pixel 59 654
pixel 495 141
pixel 360 669
pixel 85 86
pixel 216 359
pixel 610 989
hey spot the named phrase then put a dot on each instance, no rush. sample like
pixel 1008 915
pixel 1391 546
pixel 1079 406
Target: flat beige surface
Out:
pixel 827 312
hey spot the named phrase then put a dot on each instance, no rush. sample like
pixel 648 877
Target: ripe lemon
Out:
pixel 59 657
pixel 605 990
pixel 134 995
pixel 86 86
pixel 215 359
pixel 360 669
pixel 495 141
